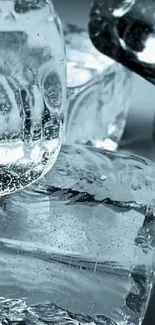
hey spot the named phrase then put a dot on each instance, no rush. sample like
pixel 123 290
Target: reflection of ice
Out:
pixel 81 75
pixel 11 153
pixel 147 55
pixel 10 119
pixel 122 7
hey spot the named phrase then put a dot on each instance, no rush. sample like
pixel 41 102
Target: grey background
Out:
pixel 138 135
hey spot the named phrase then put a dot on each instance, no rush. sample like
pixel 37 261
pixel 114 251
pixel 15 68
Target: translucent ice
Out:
pixel 32 91
pixel 82 244
pixel 98 93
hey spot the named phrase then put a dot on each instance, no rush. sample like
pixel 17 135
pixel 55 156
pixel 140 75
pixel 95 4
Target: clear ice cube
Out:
pixel 98 93
pixel 32 91
pixel 82 244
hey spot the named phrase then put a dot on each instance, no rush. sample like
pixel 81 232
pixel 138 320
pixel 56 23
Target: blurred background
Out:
pixel 139 132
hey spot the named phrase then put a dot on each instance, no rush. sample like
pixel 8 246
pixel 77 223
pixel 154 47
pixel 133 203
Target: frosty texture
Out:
pixel 82 243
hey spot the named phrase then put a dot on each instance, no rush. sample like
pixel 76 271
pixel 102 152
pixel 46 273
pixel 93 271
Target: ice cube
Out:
pixel 32 91
pixel 124 30
pixel 98 93
pixel 84 239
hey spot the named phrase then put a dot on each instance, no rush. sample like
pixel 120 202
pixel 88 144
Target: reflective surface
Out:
pixel 32 91
pixel 82 244
pixel 98 93
pixel 125 31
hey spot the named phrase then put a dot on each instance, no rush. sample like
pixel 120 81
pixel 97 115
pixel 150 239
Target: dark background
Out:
pixel 138 136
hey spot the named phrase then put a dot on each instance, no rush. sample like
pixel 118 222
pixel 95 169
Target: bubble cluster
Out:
pixel 32 91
